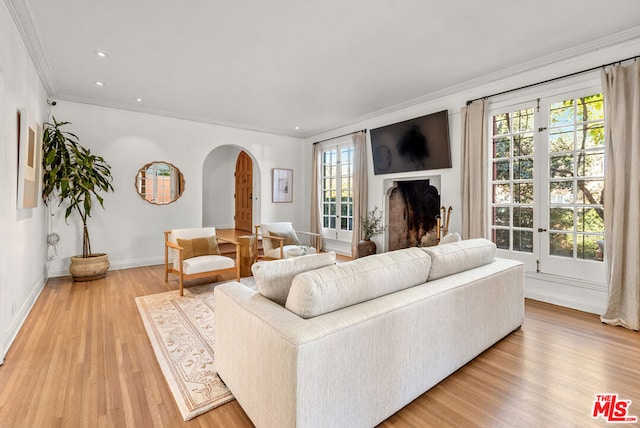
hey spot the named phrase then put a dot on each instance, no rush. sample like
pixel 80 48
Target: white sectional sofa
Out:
pixel 357 341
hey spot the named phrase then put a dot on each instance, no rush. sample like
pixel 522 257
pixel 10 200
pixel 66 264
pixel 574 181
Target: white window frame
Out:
pixel 529 259
pixel 575 268
pixel 328 232
pixel 595 271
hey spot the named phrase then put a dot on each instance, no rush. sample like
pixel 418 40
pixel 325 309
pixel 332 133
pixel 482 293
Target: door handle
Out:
pixel 541 229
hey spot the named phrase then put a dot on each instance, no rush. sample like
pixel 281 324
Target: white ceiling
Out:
pixel 278 64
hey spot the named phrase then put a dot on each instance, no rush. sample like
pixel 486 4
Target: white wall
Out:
pixel 579 295
pixel 130 229
pixel 23 232
pixel 219 165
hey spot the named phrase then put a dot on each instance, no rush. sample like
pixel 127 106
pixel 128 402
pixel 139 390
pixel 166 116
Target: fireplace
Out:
pixel 412 209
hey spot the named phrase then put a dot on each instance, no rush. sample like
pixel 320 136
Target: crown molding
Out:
pixel 22 19
pixel 174 115
pixel 548 60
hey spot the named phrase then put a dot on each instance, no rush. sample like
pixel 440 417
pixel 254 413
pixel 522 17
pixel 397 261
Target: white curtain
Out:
pixel 360 187
pixel 622 194
pixel 475 153
pixel 315 222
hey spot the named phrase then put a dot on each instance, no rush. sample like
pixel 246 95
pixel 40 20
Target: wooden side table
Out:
pixel 247 256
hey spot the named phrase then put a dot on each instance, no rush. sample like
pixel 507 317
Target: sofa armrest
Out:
pixel 247 329
pixel 258 351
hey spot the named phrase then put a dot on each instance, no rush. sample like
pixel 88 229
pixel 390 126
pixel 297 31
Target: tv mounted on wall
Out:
pixel 413 145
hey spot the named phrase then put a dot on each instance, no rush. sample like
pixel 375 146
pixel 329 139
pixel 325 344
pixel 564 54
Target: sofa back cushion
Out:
pixel 328 289
pixel 273 278
pixel 449 259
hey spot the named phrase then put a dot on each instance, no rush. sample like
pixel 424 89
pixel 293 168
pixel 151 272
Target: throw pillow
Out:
pixel 290 238
pixel 450 237
pixel 199 247
pixel 455 257
pixel 274 278
pixel 331 288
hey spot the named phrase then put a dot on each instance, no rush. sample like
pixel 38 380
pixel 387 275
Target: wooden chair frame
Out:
pixel 314 241
pixel 183 276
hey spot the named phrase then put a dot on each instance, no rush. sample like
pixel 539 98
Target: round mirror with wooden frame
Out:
pixel 159 183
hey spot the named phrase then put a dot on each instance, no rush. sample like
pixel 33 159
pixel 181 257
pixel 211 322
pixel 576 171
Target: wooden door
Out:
pixel 244 192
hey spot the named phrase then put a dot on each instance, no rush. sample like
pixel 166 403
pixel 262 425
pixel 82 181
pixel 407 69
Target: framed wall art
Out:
pixel 29 160
pixel 282 185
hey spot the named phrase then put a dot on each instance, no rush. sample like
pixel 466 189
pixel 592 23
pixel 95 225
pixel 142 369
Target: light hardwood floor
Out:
pixel 83 359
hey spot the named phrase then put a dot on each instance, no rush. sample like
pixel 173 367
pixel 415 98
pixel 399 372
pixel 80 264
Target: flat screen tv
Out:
pixel 413 145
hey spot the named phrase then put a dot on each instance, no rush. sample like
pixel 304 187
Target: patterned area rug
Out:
pixel 181 331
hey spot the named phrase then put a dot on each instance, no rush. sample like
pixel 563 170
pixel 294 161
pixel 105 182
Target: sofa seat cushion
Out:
pixel 206 263
pixel 274 278
pixel 328 289
pixel 449 259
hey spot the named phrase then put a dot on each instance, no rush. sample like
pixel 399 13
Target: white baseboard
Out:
pixel 59 271
pixel 340 247
pixel 575 294
pixel 21 316
pixel 127 264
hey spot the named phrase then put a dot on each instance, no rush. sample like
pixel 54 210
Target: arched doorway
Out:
pixel 244 192
pixel 218 187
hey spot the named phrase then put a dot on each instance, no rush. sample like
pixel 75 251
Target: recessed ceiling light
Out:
pixel 102 54
pixel 297 128
pixel 139 99
pixel 99 83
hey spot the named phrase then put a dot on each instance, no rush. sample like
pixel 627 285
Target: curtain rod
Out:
pixel 554 79
pixel 340 136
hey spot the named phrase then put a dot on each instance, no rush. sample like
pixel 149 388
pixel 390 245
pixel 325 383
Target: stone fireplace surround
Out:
pixel 411 207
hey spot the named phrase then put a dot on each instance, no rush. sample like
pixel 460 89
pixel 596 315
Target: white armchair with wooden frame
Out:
pixel 195 254
pixel 280 240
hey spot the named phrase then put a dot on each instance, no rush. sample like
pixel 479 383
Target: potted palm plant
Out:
pixel 371 226
pixel 73 175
